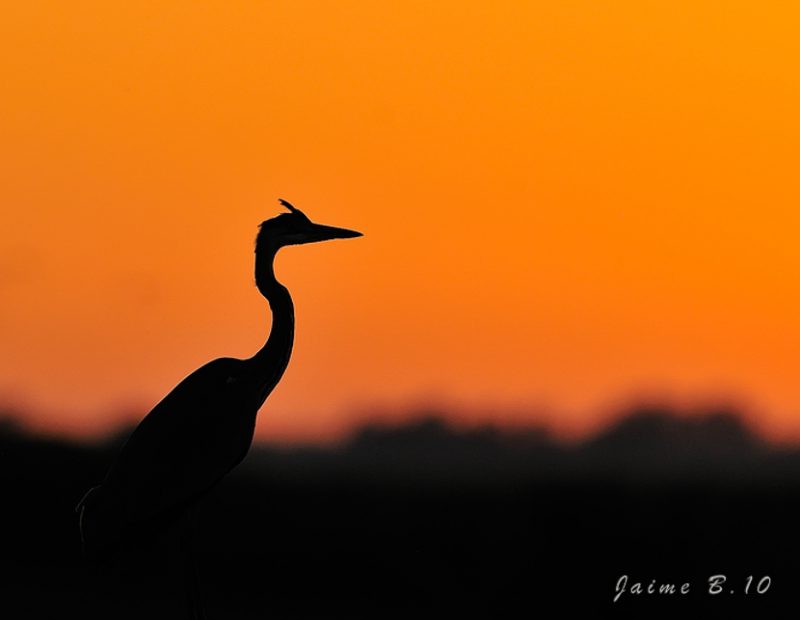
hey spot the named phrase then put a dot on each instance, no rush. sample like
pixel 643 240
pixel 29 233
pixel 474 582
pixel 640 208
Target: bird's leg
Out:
pixel 191 572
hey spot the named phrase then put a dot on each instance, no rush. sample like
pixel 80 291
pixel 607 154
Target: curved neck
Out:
pixel 272 359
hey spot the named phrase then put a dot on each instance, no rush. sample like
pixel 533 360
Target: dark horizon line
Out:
pixel 13 422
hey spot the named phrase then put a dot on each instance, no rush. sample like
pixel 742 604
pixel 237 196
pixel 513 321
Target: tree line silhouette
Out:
pixel 425 518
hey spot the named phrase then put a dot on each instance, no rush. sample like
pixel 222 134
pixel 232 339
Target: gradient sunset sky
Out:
pixel 566 206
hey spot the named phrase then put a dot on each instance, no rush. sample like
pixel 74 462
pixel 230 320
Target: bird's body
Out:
pixel 204 427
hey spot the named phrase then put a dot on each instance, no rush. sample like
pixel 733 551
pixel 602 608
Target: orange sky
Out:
pixel 566 205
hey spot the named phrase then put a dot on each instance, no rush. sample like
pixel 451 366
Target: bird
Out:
pixel 204 427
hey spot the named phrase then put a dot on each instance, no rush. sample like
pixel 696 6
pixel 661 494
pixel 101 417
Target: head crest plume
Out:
pixel 288 205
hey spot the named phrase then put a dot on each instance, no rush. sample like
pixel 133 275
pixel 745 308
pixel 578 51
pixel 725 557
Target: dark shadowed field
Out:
pixel 424 521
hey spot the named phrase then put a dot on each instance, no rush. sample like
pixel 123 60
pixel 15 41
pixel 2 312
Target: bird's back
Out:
pixel 183 447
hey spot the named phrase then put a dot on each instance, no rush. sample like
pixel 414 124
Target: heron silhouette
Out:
pixel 204 427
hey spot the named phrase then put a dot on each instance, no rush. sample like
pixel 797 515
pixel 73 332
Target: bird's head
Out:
pixel 294 228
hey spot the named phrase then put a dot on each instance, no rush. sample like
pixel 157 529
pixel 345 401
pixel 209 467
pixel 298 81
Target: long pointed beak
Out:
pixel 320 232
